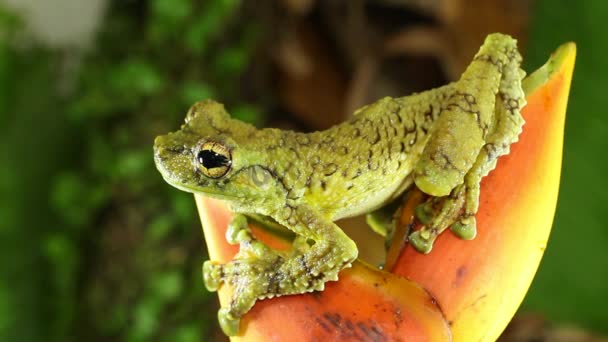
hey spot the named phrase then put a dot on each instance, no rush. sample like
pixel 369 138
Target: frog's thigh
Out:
pixel 507 127
pixel 454 142
pixel 467 115
pixel 451 151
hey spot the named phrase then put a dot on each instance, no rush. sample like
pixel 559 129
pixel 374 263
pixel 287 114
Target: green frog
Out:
pixel 442 141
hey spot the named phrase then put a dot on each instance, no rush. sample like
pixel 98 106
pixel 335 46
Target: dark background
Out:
pixel 95 246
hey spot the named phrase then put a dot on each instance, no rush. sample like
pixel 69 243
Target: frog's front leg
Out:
pixel 479 121
pixel 244 273
pixel 319 252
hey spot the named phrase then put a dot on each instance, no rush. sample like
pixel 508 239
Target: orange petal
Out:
pixel 366 304
pixel 479 284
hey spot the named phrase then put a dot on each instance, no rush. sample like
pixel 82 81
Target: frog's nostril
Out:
pixel 166 146
pixel 158 141
pixel 162 148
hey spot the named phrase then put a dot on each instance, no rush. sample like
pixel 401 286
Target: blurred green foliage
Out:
pixel 572 282
pixel 24 213
pixel 94 242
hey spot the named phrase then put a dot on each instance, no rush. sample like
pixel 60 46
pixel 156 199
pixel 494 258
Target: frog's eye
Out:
pixel 214 159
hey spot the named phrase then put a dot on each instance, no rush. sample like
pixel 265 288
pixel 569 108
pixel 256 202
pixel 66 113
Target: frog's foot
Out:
pixel 243 273
pixel 383 221
pixel 238 232
pixel 259 272
pixel 250 279
pixel 437 213
pixel 268 276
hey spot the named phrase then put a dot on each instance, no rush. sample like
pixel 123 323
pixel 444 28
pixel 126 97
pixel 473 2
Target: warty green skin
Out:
pixel 444 140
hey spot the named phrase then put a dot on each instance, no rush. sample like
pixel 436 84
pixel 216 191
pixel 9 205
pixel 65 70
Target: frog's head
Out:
pixel 215 155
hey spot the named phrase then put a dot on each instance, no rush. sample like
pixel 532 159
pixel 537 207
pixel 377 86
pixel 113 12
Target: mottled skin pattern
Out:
pixel 443 140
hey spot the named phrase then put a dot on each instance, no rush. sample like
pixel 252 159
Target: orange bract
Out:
pixel 478 284
pixel 365 304
pixel 481 283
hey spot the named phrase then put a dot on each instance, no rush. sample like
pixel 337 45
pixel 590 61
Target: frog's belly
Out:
pixel 375 199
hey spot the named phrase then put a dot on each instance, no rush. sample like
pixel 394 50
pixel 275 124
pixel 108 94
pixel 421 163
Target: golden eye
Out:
pixel 214 159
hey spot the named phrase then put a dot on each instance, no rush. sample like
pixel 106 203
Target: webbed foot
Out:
pixel 437 213
pixel 259 272
pixel 246 274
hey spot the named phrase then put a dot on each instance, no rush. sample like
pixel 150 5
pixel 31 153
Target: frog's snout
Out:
pixel 173 159
pixel 160 152
pixel 170 152
pixel 160 143
pixel 161 147
pixel 171 144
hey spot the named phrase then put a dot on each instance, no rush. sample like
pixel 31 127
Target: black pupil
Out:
pixel 210 159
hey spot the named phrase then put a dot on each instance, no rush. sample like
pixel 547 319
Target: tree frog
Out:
pixel 442 141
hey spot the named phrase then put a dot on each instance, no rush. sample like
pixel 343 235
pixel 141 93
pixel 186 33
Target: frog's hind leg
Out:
pixel 319 252
pixel 503 127
pixel 507 127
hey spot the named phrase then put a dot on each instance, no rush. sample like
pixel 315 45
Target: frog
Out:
pixel 442 141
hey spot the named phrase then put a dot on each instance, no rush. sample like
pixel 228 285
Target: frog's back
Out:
pixel 358 165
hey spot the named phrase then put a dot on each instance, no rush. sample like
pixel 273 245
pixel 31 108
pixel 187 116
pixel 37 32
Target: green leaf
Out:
pixel 168 285
pixel 231 60
pixel 67 197
pixel 145 319
pixel 247 113
pixel 168 19
pixel 183 206
pixel 134 163
pixel 197 37
pixel 160 227
pixel 174 10
pixel 136 77
pixel 196 91
pixel 186 333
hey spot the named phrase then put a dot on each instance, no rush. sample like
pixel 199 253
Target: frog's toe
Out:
pixel 424 212
pixel 422 240
pixel 238 230
pixel 250 280
pixel 465 228
pixel 212 275
pixel 230 325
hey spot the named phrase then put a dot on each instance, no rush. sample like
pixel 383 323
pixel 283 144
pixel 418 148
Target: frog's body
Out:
pixel 354 167
pixel 443 140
